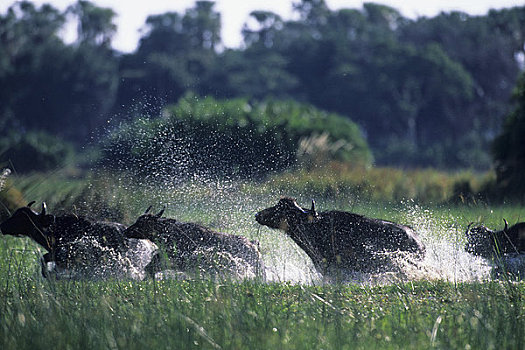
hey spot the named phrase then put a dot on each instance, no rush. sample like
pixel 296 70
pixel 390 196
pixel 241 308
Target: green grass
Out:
pixel 404 314
pixel 199 314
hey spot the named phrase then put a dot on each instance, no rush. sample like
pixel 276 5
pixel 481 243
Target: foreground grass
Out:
pixel 41 314
pixel 171 314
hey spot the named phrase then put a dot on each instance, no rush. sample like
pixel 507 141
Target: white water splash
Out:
pixel 285 261
pixel 445 257
pixel 88 259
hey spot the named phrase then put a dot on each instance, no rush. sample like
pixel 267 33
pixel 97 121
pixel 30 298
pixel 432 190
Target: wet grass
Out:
pixel 424 313
pixel 41 314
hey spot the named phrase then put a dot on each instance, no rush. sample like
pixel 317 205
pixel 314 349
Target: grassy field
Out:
pixel 198 314
pixel 451 302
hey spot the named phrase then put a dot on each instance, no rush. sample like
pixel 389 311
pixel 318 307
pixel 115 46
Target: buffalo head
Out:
pixel 147 226
pixel 26 222
pixel 480 241
pixel 286 211
pixel 488 243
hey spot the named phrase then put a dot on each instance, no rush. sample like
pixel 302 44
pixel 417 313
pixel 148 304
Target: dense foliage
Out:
pixel 34 150
pixel 509 148
pixel 233 137
pixel 66 90
pixel 426 92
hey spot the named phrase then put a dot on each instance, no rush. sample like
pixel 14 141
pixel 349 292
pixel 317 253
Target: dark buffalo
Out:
pixel 77 245
pixel 338 241
pixel 26 222
pixel 487 243
pixel 52 231
pixel 193 248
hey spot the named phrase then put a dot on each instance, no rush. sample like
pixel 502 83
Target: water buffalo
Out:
pixel 26 222
pixel 52 231
pixel 487 243
pixel 78 246
pixel 193 248
pixel 338 241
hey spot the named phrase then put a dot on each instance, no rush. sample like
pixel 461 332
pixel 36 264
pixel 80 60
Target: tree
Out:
pixel 26 32
pixel 261 29
pixel 314 13
pixel 176 54
pixel 241 139
pixel 47 85
pixel 353 62
pixel 203 25
pixel 509 148
pixel 95 24
pixel 259 71
pixel 487 47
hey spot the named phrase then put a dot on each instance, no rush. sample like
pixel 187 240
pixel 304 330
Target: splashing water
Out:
pixel 228 209
pixel 88 259
pixel 224 206
pixel 285 261
pixel 445 257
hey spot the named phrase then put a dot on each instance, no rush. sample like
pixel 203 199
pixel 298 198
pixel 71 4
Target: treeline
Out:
pixel 425 92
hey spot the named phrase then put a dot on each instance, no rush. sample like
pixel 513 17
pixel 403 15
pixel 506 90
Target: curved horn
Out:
pixel 468 228
pixel 298 207
pixel 147 210
pixel 506 225
pixel 313 207
pixel 30 204
pixel 159 214
pixel 44 207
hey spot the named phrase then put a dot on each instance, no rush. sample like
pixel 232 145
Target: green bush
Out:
pixel 232 137
pixel 509 150
pixel 34 151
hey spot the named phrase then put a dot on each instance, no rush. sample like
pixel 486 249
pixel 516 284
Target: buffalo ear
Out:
pixel 159 214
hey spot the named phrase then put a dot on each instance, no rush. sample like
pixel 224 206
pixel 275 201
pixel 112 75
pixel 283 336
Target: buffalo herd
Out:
pixel 78 247
pixel 336 241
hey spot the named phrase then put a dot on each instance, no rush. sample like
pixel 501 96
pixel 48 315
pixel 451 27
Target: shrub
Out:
pixel 232 138
pixel 341 180
pixel 509 150
pixel 34 151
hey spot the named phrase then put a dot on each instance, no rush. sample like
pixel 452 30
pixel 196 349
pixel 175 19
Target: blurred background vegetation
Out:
pixel 327 92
